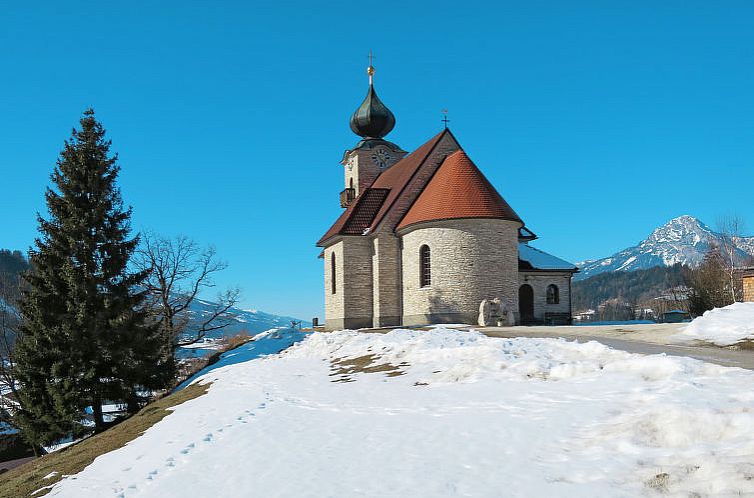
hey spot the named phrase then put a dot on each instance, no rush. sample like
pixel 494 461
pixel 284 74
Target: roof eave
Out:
pixel 415 225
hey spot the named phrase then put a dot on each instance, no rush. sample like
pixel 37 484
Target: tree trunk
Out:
pixel 99 421
pixel 132 402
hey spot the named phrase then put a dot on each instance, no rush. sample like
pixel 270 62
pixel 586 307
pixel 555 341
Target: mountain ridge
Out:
pixel 684 239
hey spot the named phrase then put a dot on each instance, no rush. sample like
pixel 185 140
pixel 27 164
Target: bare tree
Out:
pixel 179 271
pixel 729 229
pixel 708 284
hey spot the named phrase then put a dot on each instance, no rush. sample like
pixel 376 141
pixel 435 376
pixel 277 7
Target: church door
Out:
pixel 526 303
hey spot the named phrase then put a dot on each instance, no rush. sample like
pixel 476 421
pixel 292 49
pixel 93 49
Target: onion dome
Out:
pixel 372 119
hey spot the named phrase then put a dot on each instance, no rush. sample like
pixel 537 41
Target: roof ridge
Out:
pixel 437 138
pixel 392 180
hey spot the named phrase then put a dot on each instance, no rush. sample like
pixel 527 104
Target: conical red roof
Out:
pixel 458 190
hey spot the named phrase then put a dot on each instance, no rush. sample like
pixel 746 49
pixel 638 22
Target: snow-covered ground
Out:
pixel 445 413
pixel 721 326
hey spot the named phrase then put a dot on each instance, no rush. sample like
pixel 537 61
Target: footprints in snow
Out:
pixel 210 437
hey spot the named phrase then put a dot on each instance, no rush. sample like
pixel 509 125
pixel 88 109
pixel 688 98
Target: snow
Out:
pixel 721 326
pixel 205 344
pixel 460 414
pixel 542 260
pixel 627 263
pixel 268 342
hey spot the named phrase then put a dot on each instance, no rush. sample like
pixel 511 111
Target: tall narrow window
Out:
pixel 332 273
pixel 553 294
pixel 425 266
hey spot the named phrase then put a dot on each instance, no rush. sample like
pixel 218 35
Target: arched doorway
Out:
pixel 526 303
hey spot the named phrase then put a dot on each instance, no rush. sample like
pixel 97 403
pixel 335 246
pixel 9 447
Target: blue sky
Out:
pixel 597 121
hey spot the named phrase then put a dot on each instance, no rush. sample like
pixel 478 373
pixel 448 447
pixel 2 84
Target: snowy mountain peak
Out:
pixel 682 229
pixel 684 240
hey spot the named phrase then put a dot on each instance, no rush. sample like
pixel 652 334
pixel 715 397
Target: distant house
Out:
pixel 675 316
pixel 746 276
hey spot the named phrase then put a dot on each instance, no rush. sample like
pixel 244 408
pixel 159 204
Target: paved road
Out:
pixel 721 356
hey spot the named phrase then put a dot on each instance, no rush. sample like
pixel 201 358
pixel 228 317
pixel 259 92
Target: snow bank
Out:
pixel 444 413
pixel 721 326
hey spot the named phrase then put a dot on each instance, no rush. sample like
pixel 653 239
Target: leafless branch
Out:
pixel 179 272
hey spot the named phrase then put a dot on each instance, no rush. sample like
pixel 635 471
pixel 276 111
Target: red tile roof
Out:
pixel 394 181
pixel 458 190
pixel 363 215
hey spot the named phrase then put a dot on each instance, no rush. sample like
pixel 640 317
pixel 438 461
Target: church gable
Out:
pixel 390 185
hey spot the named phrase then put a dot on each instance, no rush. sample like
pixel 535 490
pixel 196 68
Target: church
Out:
pixel 424 238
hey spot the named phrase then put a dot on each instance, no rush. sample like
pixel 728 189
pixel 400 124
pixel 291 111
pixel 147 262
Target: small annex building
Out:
pixel 425 237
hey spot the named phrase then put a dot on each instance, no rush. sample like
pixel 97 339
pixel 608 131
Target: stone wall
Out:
pixel 471 260
pixel 334 303
pixel 539 282
pixel 351 305
pixel 386 273
pixel 358 282
pixel 361 167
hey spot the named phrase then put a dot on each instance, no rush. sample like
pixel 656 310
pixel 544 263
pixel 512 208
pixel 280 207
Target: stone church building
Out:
pixel 424 238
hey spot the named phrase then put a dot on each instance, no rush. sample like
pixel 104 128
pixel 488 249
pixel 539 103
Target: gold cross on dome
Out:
pixel 370 69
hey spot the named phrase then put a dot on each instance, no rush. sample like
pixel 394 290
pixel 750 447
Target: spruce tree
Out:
pixel 84 335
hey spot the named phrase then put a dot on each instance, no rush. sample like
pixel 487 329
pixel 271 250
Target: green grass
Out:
pixel 24 480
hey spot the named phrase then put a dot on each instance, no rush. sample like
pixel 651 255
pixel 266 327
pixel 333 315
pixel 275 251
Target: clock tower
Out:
pixel 373 154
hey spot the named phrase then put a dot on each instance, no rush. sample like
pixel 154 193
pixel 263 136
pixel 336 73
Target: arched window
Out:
pixel 333 287
pixel 350 185
pixel 553 294
pixel 425 267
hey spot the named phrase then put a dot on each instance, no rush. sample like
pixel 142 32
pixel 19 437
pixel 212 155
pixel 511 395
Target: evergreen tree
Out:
pixel 84 337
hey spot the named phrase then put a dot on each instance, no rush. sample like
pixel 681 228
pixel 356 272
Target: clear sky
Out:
pixel 597 121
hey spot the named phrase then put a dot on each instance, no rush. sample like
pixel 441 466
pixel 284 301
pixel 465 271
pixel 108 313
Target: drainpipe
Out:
pixel 570 300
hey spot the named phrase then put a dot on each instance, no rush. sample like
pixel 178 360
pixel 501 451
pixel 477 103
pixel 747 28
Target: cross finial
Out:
pixel 445 119
pixel 370 69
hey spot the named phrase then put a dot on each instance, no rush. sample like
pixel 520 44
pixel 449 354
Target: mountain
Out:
pixel 636 287
pixel 683 240
pixel 251 321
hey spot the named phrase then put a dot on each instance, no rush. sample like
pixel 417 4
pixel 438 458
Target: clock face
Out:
pixel 381 157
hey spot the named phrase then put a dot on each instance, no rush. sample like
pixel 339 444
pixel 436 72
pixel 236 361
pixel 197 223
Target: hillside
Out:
pixel 634 287
pixel 442 413
pixel 12 262
pixel 683 240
